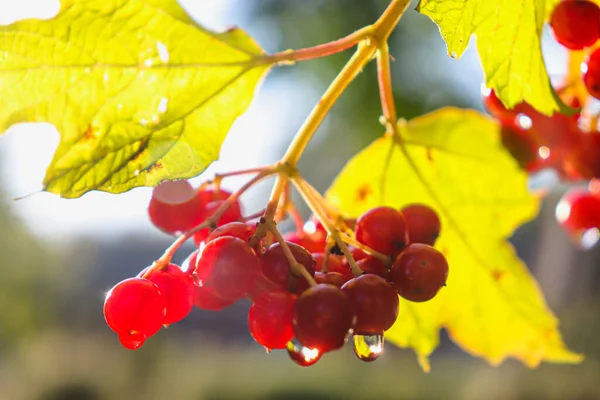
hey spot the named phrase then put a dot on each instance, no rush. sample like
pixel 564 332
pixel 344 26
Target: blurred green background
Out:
pixel 54 344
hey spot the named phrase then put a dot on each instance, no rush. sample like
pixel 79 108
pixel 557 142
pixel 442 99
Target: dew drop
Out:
pixel 163 105
pixel 302 355
pixel 136 172
pixel 132 341
pixel 368 347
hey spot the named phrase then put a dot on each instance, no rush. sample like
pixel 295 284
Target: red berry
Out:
pixel 419 272
pixel 177 287
pixel 578 210
pixel 521 145
pixel 372 265
pixel 175 207
pixel 228 267
pixel 276 267
pixel 270 319
pixel 204 299
pixel 135 309
pixel 323 318
pixel 423 223
pixel 301 239
pixel 591 73
pixel 211 201
pixel 576 23
pixel 333 278
pixel 383 229
pixel 239 230
pixel 375 302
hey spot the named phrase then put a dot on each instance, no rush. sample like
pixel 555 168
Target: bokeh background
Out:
pixel 59 257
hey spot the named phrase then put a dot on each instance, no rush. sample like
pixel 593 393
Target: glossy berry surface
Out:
pixel 375 302
pixel 301 239
pixel 383 229
pixel 578 210
pixel 175 207
pixel 270 319
pixel 239 230
pixel 177 287
pixel 576 23
pixel 591 74
pixel 135 309
pixel 372 265
pixel 419 272
pixel 228 267
pixel 333 278
pixel 276 267
pixel 323 318
pixel 211 201
pixel 423 223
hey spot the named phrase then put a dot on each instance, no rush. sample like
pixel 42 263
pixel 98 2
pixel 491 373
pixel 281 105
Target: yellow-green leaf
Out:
pixel 509 44
pixel 453 160
pixel 139 92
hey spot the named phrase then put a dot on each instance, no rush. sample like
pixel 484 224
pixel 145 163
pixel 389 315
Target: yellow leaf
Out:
pixel 509 45
pixel 453 160
pixel 138 91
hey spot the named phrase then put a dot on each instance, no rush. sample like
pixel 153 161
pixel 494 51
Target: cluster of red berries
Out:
pixel 578 213
pixel 304 295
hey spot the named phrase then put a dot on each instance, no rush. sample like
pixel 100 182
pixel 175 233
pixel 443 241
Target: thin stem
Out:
pixel 355 65
pixel 296 267
pixel 317 209
pixel 243 172
pixel 384 78
pixel 366 49
pixel 322 50
pixel 374 253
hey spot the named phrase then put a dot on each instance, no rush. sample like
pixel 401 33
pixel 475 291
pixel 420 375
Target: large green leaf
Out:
pixel 138 91
pixel 509 43
pixel 454 161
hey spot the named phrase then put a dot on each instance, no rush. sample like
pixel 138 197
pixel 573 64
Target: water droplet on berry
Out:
pixel 368 347
pixel 524 121
pixel 302 355
pixel 134 340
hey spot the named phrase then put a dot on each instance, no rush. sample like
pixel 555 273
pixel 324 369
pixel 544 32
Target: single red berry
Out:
pixel 315 230
pixel 177 287
pixel 375 302
pixel 175 207
pixel 323 318
pixel 423 223
pixel 578 210
pixel 583 159
pixel 204 298
pixel 419 272
pixel 228 267
pixel 135 309
pixel 333 278
pixel 276 267
pixel 270 319
pixel 383 229
pixel 372 265
pixel 304 240
pixel 576 23
pixel 591 73
pixel 239 230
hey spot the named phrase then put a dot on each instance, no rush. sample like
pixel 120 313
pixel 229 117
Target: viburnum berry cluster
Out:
pixel 309 291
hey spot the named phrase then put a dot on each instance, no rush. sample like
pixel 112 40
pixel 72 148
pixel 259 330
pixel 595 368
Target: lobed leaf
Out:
pixel 139 92
pixel 509 44
pixel 453 160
